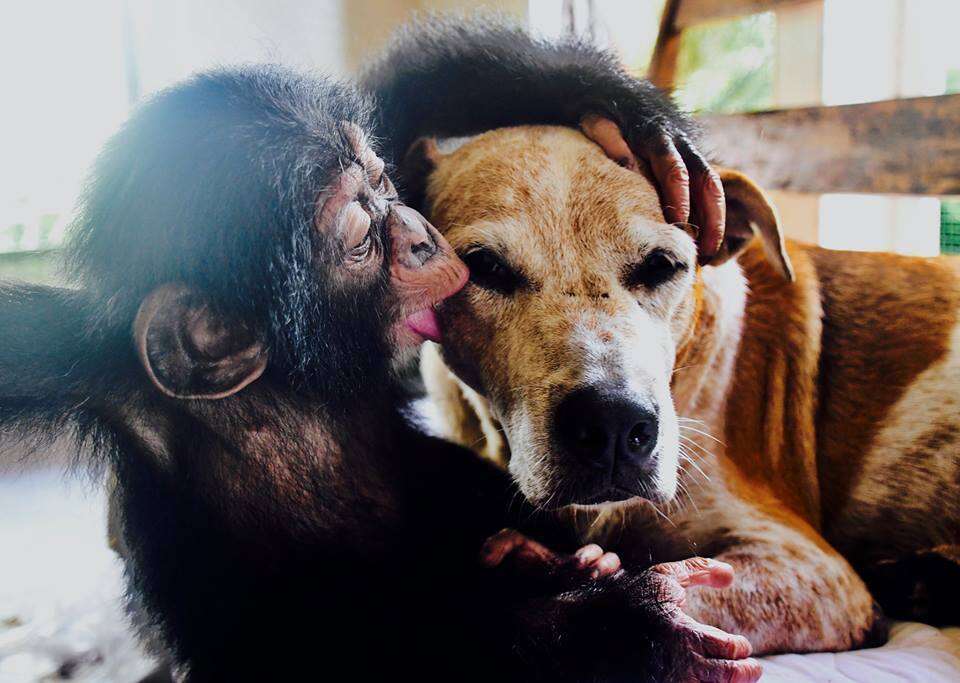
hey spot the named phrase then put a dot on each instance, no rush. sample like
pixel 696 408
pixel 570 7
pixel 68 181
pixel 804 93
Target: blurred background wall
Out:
pixel 71 71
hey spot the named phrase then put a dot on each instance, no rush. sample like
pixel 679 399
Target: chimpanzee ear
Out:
pixel 415 169
pixel 750 214
pixel 189 351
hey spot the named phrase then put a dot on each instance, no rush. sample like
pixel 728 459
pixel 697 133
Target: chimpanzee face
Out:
pixel 378 270
pixel 372 231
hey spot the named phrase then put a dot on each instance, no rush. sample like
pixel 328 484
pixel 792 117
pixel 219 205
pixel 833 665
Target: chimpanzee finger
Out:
pixel 608 135
pixel 707 670
pixel 588 554
pixel 524 550
pixel 697 571
pixel 707 200
pixel 591 562
pixel 713 642
pixel 608 565
pixel 673 179
pixel 657 148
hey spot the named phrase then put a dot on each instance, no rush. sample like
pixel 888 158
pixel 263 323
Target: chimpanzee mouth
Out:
pixel 425 324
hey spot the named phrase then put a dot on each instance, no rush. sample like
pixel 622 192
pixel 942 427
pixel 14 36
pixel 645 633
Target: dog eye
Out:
pixel 657 268
pixel 488 270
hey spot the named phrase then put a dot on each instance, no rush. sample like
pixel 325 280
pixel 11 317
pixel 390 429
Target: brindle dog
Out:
pixel 788 409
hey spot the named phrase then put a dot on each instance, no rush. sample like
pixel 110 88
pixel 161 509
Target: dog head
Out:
pixel 580 297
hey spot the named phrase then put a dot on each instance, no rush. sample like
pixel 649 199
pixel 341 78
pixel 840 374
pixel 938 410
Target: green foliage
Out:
pixel 12 237
pixel 45 232
pixel 950 227
pixel 728 66
pixel 30 266
pixel 953 80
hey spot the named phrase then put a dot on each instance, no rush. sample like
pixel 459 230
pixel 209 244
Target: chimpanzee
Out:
pixel 247 281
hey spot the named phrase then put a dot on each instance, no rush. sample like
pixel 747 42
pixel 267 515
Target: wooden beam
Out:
pixel 694 12
pixel 896 146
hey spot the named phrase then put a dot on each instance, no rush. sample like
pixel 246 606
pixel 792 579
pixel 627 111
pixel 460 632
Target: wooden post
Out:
pixel 663 64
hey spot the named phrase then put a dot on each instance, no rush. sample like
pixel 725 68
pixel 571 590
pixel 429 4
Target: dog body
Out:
pixel 788 409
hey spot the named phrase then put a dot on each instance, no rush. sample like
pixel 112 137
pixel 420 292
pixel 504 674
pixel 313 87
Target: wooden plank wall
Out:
pixel 907 146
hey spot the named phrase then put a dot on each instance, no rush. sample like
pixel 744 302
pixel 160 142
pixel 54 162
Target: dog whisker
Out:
pixel 686 456
pixel 700 450
pixel 665 517
pixel 697 454
pixel 685 367
pixel 703 433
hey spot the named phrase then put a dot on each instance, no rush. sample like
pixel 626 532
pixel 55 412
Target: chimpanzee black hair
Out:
pixel 246 151
pixel 243 275
pixel 483 74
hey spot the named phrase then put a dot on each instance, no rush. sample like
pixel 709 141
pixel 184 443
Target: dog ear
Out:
pixel 415 169
pixel 750 214
pixel 189 351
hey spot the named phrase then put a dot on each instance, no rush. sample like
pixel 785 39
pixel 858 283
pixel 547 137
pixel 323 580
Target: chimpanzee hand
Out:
pixel 631 627
pixel 690 190
pixel 521 560
pixel 712 654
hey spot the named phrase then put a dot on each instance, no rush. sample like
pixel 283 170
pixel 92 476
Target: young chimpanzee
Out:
pixel 247 280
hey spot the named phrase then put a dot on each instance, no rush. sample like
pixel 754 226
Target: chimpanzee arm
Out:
pixel 45 363
pixel 463 496
pixel 445 79
pixel 440 78
pixel 55 374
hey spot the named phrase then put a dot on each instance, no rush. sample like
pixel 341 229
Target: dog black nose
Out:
pixel 601 428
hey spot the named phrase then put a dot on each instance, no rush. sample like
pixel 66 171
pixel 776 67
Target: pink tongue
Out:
pixel 425 324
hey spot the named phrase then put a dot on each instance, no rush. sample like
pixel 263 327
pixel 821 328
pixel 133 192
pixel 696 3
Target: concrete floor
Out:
pixel 61 611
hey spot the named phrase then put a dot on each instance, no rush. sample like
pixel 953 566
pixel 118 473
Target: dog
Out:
pixel 788 409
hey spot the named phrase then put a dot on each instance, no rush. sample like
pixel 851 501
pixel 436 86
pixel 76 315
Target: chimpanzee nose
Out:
pixel 601 428
pixel 411 235
pixel 423 250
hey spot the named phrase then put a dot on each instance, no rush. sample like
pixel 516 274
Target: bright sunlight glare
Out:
pixel 63 62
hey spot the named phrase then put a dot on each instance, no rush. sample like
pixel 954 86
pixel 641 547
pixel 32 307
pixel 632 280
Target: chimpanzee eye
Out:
pixel 385 188
pixel 361 250
pixel 489 271
pixel 658 267
pixel 354 226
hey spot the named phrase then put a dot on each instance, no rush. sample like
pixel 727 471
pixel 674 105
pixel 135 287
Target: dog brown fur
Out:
pixel 819 425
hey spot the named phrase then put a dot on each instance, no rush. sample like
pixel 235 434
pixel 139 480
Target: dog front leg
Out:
pixel 793 593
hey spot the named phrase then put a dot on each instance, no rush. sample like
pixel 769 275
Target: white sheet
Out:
pixel 915 652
